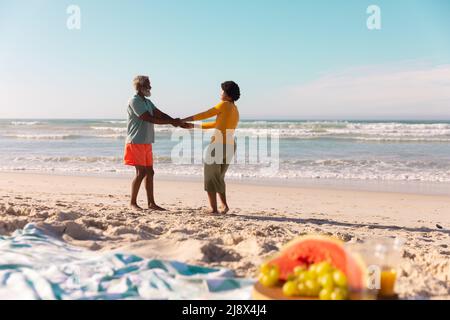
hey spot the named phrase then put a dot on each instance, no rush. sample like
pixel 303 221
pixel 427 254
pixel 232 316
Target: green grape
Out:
pixel 311 275
pixel 323 268
pixel 267 280
pixel 302 289
pixel 325 294
pixel 298 270
pixel 326 281
pixel 265 268
pixel 313 288
pixel 338 294
pixel 290 289
pixel 302 277
pixel 340 279
pixel 312 268
pixel 274 273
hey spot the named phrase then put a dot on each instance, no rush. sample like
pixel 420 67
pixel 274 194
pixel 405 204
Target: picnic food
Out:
pixel 315 267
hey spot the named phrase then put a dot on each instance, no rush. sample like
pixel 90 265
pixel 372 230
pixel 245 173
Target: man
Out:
pixel 142 116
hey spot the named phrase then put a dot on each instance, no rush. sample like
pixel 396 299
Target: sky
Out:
pixel 292 59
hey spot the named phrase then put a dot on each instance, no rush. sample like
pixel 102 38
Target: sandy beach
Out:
pixel 92 213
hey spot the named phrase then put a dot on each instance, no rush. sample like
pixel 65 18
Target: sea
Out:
pixel 382 155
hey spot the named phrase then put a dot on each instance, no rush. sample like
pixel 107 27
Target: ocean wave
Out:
pixel 115 121
pixel 43 136
pixel 373 164
pixel 424 170
pixel 25 123
pixel 64 136
pixel 303 130
pixel 67 159
pixel 80 159
pixel 110 136
pixel 112 129
pixel 434 132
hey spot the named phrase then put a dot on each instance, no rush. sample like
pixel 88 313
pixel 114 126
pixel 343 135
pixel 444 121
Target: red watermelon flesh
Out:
pixel 314 249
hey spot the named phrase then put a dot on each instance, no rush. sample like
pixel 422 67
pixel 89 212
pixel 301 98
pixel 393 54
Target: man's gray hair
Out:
pixel 140 81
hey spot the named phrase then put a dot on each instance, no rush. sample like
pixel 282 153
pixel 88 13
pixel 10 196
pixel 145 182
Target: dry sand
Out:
pixel 92 212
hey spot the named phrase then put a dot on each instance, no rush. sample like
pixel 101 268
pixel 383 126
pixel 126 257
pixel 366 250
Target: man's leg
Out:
pixel 149 187
pixel 135 186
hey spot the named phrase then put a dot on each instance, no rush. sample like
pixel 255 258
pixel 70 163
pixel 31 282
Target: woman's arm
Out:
pixel 203 115
pixel 208 125
pixel 207 114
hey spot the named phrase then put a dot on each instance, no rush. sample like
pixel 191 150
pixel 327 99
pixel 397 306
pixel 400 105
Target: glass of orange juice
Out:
pixel 387 282
pixel 388 254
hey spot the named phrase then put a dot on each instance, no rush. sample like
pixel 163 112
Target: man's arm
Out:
pixel 161 115
pixel 157 120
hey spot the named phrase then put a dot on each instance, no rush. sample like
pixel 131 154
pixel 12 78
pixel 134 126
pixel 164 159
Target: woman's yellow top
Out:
pixel 226 122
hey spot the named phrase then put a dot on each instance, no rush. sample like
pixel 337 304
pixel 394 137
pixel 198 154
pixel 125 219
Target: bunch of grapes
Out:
pixel 320 280
pixel 269 276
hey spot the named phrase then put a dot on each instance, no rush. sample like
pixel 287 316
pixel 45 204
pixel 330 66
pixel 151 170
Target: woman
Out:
pixel 223 145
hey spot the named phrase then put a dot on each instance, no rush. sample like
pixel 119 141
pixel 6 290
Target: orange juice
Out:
pixel 388 279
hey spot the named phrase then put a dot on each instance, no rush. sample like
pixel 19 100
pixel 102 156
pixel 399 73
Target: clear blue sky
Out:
pixel 301 59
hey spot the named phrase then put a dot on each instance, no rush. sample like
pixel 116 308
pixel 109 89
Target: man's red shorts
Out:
pixel 138 155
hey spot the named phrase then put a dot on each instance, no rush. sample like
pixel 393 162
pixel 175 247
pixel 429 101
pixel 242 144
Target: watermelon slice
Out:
pixel 308 250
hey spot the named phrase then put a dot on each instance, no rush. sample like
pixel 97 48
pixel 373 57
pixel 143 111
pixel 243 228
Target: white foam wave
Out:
pixel 68 159
pixel 115 121
pixel 243 173
pixel 112 129
pixel 79 159
pixel 43 136
pixel 25 123
pixel 434 132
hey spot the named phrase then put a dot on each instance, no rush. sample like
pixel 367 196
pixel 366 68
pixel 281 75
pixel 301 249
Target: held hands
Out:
pixel 187 125
pixel 182 124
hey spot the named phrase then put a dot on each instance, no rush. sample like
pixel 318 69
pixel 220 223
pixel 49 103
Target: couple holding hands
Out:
pixel 143 115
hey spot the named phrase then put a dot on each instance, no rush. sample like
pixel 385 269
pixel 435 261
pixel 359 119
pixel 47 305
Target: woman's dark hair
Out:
pixel 232 90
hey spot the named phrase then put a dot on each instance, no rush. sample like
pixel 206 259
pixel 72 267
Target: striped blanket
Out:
pixel 33 265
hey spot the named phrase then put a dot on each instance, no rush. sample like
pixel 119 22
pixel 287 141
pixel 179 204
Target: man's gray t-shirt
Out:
pixel 138 130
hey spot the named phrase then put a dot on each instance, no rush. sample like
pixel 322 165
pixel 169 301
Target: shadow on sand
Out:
pixel 341 224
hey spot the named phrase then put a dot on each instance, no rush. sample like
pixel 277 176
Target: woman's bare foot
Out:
pixel 155 207
pixel 210 212
pixel 135 207
pixel 225 210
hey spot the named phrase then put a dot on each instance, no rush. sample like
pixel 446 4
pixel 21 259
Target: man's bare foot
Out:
pixel 225 210
pixel 135 207
pixel 155 207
